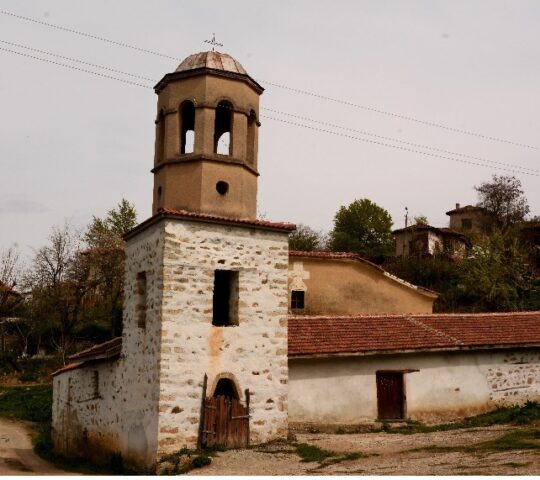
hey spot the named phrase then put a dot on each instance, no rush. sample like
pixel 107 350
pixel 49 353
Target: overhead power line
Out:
pixel 512 168
pixel 383 144
pixel 285 87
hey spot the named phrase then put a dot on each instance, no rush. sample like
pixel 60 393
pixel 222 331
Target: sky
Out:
pixel 73 144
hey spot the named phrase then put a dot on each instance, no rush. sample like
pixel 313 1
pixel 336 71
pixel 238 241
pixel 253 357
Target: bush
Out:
pixel 201 461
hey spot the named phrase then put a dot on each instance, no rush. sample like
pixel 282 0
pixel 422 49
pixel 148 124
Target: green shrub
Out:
pixel 201 461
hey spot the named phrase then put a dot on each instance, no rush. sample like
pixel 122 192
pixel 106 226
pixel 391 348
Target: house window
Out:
pixel 466 223
pixel 225 300
pixel 390 395
pixel 95 384
pixel 142 299
pixel 297 299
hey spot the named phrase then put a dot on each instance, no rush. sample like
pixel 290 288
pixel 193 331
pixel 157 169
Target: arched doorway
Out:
pixel 225 419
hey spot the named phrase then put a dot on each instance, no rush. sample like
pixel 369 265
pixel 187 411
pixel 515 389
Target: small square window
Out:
pixel 466 223
pixel 297 299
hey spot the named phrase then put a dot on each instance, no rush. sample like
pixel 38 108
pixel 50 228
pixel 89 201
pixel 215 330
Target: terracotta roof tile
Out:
pixel 465 208
pixel 168 212
pixel 321 335
pixel 107 349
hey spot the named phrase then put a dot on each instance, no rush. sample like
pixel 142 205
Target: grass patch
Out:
pixel 516 415
pixel 32 403
pixel 311 453
pixel 516 440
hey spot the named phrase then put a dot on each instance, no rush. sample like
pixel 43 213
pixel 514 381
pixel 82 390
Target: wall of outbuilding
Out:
pixel 443 386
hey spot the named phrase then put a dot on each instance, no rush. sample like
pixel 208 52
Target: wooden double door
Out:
pixel 225 422
pixel 390 396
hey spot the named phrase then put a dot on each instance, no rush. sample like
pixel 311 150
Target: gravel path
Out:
pixel 16 454
pixel 384 454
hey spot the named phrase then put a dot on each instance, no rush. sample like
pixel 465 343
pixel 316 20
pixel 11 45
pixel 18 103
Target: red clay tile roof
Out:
pixel 168 212
pixel 67 368
pixel 107 349
pixel 466 208
pixel 420 228
pixel 320 335
pixel 355 256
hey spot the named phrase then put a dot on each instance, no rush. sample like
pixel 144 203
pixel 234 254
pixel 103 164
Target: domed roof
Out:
pixel 213 60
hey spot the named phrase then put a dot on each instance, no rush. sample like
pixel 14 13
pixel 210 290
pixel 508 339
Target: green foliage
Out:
pixel 306 239
pixel 516 415
pixel 201 461
pixel 311 453
pixel 105 232
pixel 421 220
pixel 504 200
pixel 495 275
pixel 363 227
pixel 33 403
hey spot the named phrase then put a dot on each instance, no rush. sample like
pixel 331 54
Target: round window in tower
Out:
pixel 222 187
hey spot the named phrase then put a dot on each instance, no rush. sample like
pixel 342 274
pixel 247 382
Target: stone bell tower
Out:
pixel 206 138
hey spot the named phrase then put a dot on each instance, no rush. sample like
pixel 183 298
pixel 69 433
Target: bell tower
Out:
pixel 206 138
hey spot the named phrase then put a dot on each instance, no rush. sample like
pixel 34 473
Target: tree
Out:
pixel 363 227
pixel 421 220
pixel 108 231
pixel 106 257
pixel 10 272
pixel 495 275
pixel 59 282
pixel 503 200
pixel 306 239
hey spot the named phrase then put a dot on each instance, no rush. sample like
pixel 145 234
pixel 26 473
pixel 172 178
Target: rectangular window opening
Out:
pixel 95 384
pixel 466 223
pixel 297 299
pixel 141 299
pixel 225 300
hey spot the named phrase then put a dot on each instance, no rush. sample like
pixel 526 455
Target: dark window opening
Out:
pixel 251 137
pixel 226 388
pixel 390 395
pixel 141 299
pixel 160 137
pixel 95 384
pixel 297 299
pixel 222 187
pixel 187 127
pixel 225 301
pixel 466 223
pixel 223 129
pixel 159 192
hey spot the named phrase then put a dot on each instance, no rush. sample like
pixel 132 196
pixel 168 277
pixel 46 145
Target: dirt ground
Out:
pixel 384 454
pixel 16 454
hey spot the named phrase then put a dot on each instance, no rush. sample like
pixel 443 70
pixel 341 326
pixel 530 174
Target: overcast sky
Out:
pixel 73 144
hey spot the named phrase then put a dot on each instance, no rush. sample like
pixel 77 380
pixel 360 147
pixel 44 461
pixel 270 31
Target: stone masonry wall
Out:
pixel 252 354
pixel 123 418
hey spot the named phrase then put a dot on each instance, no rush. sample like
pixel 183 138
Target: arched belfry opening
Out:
pixel 251 138
pixel 225 387
pixel 223 128
pixel 187 127
pixel 160 137
pixel 207 133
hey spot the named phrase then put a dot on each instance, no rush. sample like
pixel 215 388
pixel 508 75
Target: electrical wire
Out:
pixel 283 86
pixel 514 169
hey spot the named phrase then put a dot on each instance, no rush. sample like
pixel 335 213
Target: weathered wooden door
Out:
pixel 390 395
pixel 225 422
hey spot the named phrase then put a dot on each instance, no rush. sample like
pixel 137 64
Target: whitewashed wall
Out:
pixel 446 385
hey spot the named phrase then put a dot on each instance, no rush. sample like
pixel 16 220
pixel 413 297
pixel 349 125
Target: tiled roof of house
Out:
pixel 103 351
pixel 358 258
pixel 326 335
pixel 442 230
pixel 466 208
pixel 168 212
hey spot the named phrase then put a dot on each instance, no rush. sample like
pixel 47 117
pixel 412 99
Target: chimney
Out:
pixel 457 205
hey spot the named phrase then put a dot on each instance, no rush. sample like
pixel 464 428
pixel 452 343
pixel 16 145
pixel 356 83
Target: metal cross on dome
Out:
pixel 213 42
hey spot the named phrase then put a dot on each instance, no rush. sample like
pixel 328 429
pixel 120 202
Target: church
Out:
pixel 231 339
